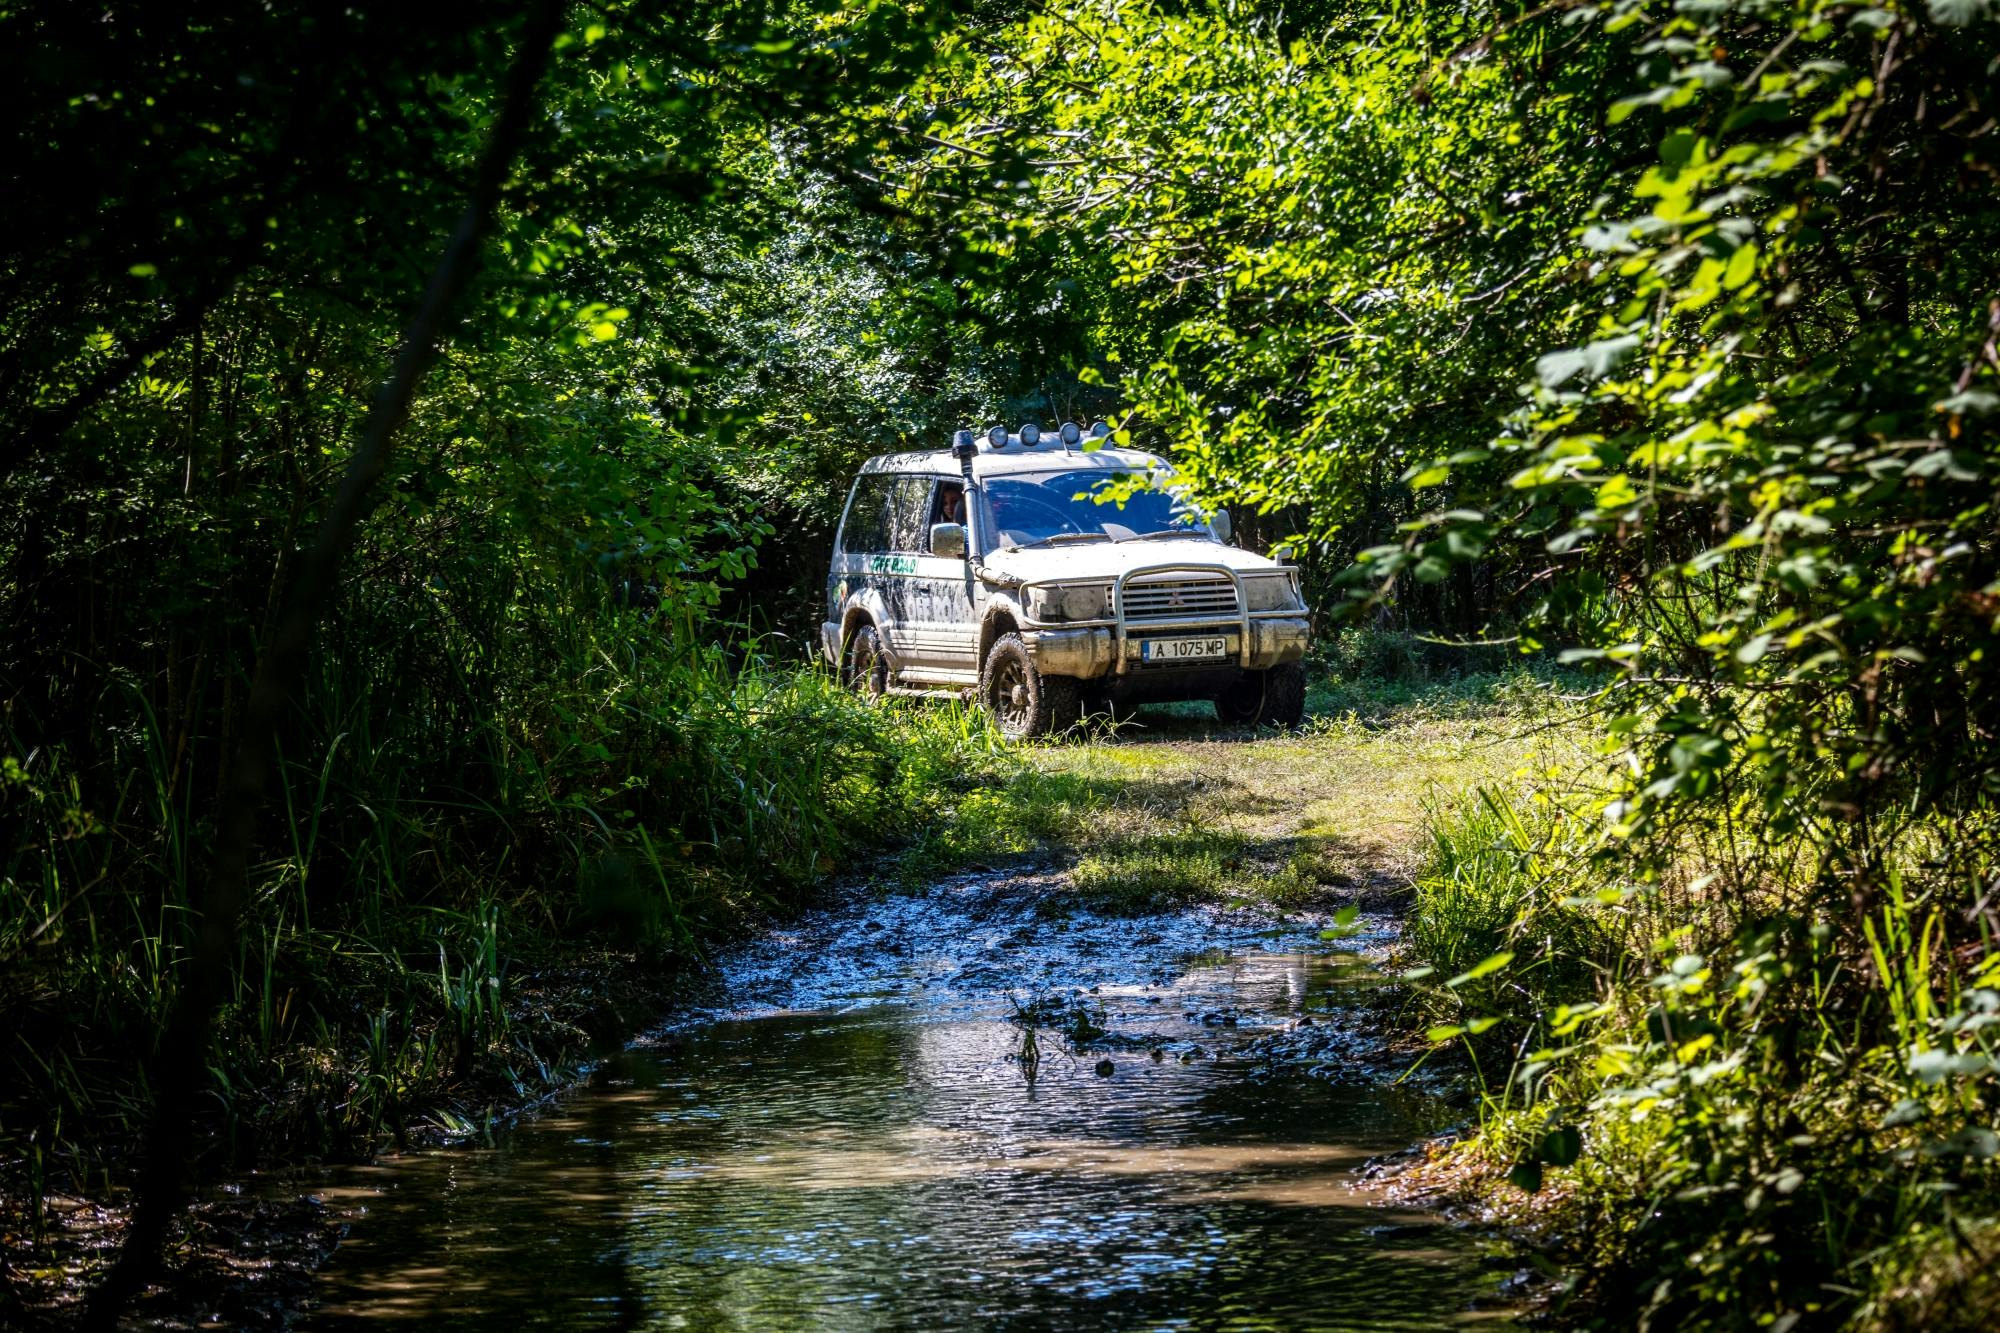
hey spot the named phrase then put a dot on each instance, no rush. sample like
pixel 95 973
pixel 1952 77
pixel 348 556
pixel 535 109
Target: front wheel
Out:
pixel 1274 698
pixel 1022 701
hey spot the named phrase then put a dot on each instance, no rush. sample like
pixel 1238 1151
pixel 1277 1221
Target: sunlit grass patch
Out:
pixel 1494 879
pixel 1334 807
pixel 1156 873
pixel 1011 815
pixel 1314 866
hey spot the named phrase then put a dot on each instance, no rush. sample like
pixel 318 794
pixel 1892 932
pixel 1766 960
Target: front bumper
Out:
pixel 1087 653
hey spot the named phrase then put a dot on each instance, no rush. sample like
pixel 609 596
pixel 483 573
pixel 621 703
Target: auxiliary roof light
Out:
pixel 1070 432
pixel 1100 431
pixel 997 437
pixel 1031 434
pixel 962 440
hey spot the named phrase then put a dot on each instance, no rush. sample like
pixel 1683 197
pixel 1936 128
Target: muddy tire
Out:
pixel 1274 698
pixel 1022 701
pixel 866 667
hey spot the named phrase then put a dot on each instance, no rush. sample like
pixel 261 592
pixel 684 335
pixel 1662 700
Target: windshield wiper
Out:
pixel 1054 538
pixel 1165 532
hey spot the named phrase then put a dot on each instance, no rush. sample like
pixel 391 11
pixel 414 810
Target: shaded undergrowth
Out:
pixel 1701 1091
pixel 462 892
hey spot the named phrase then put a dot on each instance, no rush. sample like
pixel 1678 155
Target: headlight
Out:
pixel 1272 592
pixel 1090 601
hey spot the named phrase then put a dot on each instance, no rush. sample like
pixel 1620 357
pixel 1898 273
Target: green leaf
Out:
pixel 1561 1147
pixel 1973 402
pixel 1742 267
pixel 1592 361
pixel 1484 967
pixel 1526 1176
pixel 1959 13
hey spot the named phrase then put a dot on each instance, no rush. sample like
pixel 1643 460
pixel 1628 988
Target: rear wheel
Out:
pixel 1274 698
pixel 866 670
pixel 1022 701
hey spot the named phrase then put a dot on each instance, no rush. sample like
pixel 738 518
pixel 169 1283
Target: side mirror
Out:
pixel 1220 526
pixel 948 540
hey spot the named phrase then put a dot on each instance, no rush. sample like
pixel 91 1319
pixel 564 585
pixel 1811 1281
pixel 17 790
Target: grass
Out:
pixel 1495 878
pixel 1175 809
pixel 1718 1113
pixel 458 899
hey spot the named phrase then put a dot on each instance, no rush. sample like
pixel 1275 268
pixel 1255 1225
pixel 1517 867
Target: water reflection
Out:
pixel 896 1167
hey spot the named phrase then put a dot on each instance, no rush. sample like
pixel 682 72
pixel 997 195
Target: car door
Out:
pixel 922 604
pixel 885 522
pixel 942 607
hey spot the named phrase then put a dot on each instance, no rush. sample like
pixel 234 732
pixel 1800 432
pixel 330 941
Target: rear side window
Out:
pixel 887 514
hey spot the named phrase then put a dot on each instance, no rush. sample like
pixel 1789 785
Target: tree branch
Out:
pixel 182 1055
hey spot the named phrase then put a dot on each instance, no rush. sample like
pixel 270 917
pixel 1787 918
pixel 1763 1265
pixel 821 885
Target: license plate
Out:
pixel 1183 650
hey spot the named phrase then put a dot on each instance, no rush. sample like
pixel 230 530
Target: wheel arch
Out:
pixel 1001 618
pixel 861 609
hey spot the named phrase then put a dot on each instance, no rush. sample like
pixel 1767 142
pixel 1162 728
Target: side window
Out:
pixel 948 505
pixel 909 514
pixel 867 527
pixel 888 514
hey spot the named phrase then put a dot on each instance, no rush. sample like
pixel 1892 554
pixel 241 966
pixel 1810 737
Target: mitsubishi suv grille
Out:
pixel 1182 599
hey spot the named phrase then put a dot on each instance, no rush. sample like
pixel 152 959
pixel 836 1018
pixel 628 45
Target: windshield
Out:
pixel 1055 507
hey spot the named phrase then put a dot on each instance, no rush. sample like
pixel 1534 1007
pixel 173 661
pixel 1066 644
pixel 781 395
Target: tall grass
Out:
pixel 1732 1114
pixel 477 832
pixel 1496 878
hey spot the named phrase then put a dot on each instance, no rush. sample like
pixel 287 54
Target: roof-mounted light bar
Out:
pixel 1032 436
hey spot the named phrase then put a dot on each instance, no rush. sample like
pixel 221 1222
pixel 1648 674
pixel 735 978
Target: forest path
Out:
pixel 1174 808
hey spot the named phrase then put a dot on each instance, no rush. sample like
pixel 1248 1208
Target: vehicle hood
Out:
pixel 1105 560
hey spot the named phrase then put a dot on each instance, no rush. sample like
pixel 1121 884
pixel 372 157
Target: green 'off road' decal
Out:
pixel 892 564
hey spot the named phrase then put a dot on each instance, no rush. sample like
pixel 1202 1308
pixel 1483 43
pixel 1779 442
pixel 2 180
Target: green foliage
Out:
pixel 661 799
pixel 529 735
pixel 1491 886
pixel 1307 256
pixel 1132 877
pixel 1663 336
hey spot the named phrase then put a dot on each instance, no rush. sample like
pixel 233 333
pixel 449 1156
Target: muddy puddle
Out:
pixel 857 1139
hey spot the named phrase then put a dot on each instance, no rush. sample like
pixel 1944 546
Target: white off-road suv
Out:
pixel 1055 577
